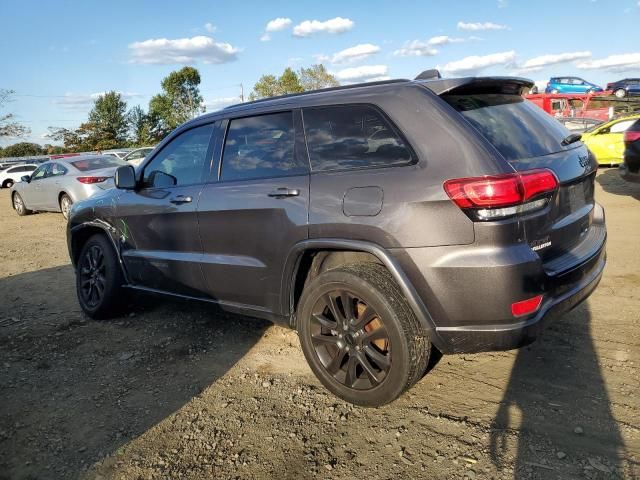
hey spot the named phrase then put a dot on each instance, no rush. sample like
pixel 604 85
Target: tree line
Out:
pixel 111 124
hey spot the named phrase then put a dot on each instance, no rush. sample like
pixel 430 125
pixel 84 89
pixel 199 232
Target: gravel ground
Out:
pixel 177 390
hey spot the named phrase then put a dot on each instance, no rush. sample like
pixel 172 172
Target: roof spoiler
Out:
pixel 471 85
pixel 432 74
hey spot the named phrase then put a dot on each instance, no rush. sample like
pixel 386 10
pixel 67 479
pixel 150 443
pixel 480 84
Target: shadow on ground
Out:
pixel 557 399
pixel 611 182
pixel 75 390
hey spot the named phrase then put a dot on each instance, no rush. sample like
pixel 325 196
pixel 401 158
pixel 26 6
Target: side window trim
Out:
pixel 300 158
pixel 392 125
pixel 203 177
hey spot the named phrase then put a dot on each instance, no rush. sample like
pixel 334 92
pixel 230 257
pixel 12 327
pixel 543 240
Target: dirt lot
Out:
pixel 176 390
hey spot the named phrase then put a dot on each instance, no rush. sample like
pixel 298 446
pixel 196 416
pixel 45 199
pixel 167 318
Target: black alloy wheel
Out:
pixel 350 340
pixel 92 276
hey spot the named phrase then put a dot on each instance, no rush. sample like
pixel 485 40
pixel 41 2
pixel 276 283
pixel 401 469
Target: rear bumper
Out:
pixel 516 335
pixel 468 290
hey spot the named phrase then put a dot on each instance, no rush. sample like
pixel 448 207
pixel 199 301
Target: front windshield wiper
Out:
pixel 571 138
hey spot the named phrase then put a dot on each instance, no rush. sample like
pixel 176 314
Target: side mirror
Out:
pixel 25 178
pixel 159 179
pixel 125 178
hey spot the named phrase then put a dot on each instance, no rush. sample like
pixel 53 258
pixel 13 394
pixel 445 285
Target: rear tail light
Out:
pixel 630 137
pixel 496 197
pixel 525 307
pixel 90 180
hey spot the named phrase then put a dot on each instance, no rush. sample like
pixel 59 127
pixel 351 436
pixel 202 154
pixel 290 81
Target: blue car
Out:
pixel 627 86
pixel 571 85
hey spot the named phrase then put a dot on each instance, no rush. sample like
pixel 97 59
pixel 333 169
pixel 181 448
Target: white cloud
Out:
pixel 363 73
pixel 615 63
pixel 334 25
pixel 419 48
pixel 542 61
pixel 210 27
pixel 503 3
pixel 444 40
pixel 277 24
pixel 475 63
pixel 353 54
pixel 416 48
pixel 219 103
pixel 80 101
pixel 163 51
pixel 474 27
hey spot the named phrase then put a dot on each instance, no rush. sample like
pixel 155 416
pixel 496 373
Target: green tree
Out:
pixel 23 149
pixel 107 123
pixel 139 127
pixel 316 77
pixel 311 78
pixel 8 126
pixel 179 101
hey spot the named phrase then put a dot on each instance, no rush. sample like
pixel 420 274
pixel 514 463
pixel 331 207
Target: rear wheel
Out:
pixel 7 183
pixel 359 335
pixel 65 205
pixel 99 279
pixel 19 206
pixel 620 93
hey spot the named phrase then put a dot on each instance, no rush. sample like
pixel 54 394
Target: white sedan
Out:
pixel 13 175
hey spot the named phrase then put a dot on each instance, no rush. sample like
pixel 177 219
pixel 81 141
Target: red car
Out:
pixel 572 105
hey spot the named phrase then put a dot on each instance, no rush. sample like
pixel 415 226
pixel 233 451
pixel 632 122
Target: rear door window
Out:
pixel 261 147
pixel 352 136
pixel 514 126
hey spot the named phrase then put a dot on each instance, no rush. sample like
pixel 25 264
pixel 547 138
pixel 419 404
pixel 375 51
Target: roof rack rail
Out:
pixel 321 90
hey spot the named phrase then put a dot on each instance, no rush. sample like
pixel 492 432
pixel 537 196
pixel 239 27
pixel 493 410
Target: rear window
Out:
pixel 352 136
pixel 514 126
pixel 87 164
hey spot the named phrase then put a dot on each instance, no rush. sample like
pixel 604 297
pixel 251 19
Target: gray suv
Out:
pixel 382 221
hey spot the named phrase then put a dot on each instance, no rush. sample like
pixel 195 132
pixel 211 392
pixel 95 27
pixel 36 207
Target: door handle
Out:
pixel 179 199
pixel 284 192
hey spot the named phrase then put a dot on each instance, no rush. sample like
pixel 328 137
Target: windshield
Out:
pixel 516 127
pixel 97 163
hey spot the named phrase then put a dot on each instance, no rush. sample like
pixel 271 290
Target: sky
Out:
pixel 59 56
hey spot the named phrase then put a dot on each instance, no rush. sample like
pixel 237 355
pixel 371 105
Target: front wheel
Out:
pixel 620 93
pixel 99 279
pixel 19 206
pixel 65 205
pixel 360 336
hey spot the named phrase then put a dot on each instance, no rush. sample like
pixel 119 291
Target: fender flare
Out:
pixel 415 302
pixel 109 232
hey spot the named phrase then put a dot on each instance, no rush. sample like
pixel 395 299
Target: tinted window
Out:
pixel 57 169
pixel 517 128
pixel 262 146
pixel 96 163
pixel 182 159
pixel 41 171
pixel 29 168
pixel 355 136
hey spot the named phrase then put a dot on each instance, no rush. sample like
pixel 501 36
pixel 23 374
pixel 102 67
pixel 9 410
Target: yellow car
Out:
pixel 605 140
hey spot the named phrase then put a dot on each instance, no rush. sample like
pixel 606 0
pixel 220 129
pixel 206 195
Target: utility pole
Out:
pixel 241 93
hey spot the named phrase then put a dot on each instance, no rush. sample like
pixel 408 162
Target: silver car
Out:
pixel 54 186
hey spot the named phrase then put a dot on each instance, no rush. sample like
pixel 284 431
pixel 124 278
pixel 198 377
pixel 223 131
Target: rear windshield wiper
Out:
pixel 571 138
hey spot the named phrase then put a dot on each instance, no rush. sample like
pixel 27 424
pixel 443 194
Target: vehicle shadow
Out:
pixel 556 404
pixel 611 182
pixel 75 390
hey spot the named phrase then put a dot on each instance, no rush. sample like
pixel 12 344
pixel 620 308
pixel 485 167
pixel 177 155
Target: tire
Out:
pixel 65 205
pixel 99 279
pixel 371 355
pixel 19 206
pixel 620 93
pixel 7 183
